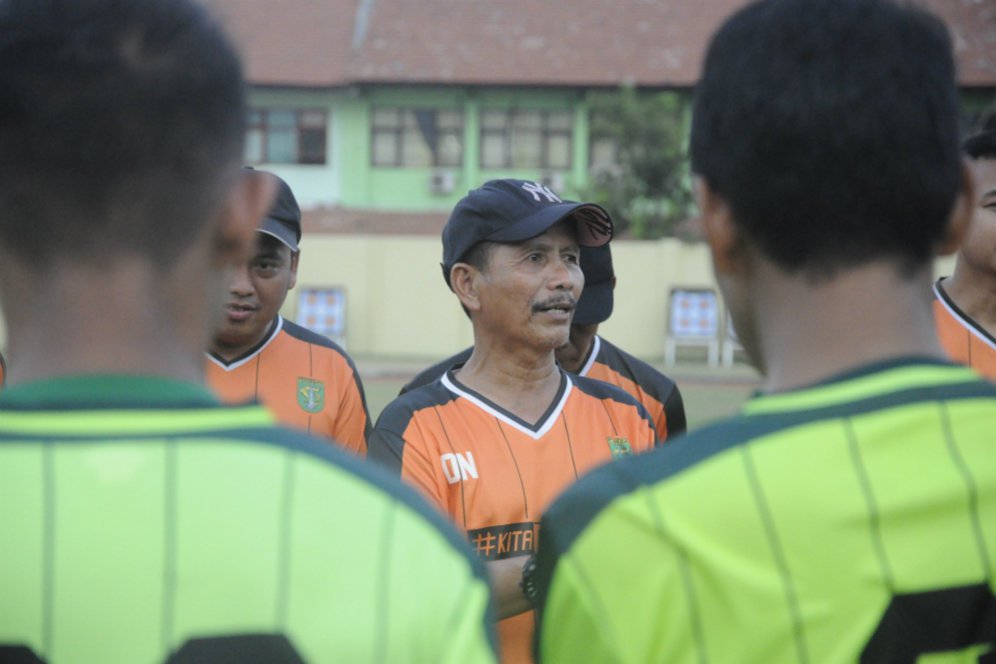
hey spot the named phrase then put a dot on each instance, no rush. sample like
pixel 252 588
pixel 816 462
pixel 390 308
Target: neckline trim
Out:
pixel 949 305
pixel 277 326
pixel 534 431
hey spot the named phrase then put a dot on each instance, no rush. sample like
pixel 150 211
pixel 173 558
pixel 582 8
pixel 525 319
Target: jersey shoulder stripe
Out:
pixel 649 379
pixel 386 444
pixel 300 333
pixel 601 390
pixel 398 413
pixel 652 388
pixel 430 374
pixel 595 492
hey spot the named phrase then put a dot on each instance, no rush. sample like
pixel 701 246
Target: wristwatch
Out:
pixel 528 582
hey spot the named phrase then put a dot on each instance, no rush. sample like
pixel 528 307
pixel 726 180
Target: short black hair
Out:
pixel 982 144
pixel 830 127
pixel 478 257
pixel 118 121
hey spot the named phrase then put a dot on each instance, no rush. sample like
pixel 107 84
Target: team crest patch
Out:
pixel 310 395
pixel 619 447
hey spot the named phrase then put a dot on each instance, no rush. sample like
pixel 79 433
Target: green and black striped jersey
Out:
pixel 854 520
pixel 142 521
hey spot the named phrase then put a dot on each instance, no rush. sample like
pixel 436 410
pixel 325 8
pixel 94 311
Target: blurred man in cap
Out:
pixel 306 379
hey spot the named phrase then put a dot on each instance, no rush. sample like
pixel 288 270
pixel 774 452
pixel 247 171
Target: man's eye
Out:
pixel 572 258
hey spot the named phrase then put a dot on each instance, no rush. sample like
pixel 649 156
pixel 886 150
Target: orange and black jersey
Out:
pixel 609 363
pixel 494 474
pixel 306 379
pixel 658 393
pixel 964 340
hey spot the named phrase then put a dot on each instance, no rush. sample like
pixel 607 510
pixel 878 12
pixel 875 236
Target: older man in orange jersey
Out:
pixel 589 354
pixel 493 441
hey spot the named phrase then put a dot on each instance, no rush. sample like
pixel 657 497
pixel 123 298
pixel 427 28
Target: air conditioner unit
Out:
pixel 442 182
pixel 553 181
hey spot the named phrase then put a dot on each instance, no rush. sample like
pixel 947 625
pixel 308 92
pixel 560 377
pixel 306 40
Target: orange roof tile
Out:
pixel 306 43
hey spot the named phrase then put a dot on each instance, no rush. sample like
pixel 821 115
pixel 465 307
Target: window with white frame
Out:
pixel 415 137
pixel 517 138
pixel 286 136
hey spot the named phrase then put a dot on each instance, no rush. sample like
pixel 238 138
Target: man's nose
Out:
pixel 566 275
pixel 239 283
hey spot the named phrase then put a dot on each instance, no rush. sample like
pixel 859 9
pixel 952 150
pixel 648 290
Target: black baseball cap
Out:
pixel 516 210
pixel 595 304
pixel 283 221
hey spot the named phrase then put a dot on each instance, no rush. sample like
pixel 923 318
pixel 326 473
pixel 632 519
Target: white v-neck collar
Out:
pixel 239 361
pixel 974 328
pixel 596 348
pixel 535 432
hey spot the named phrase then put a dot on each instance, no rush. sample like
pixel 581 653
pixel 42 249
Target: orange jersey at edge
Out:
pixel 963 340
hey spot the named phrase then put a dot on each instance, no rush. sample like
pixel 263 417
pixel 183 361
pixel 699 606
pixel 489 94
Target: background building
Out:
pixel 381 114
pixel 404 105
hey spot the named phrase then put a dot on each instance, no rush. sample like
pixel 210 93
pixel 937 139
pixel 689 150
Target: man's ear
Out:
pixel 464 280
pixel 961 212
pixel 295 257
pixel 247 203
pixel 721 232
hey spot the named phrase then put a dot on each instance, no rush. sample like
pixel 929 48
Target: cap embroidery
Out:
pixel 536 189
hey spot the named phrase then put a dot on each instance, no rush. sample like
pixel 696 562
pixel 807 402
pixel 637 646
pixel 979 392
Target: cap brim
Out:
pixel 595 304
pixel 280 231
pixel 594 225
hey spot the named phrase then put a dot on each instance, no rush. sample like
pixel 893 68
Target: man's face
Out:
pixel 529 290
pixel 978 249
pixel 256 291
pixel 572 356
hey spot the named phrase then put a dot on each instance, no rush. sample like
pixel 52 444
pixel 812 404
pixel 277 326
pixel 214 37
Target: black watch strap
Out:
pixel 528 582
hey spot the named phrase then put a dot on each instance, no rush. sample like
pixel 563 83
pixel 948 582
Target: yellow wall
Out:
pixel 397 304
pixel 399 307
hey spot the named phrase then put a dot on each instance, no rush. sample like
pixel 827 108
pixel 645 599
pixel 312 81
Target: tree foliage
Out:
pixel 647 188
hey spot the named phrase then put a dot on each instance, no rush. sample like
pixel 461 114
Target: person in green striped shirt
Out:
pixel 848 513
pixel 141 520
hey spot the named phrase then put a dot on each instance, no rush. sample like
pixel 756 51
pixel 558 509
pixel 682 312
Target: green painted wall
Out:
pixel 350 179
pixel 313 185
